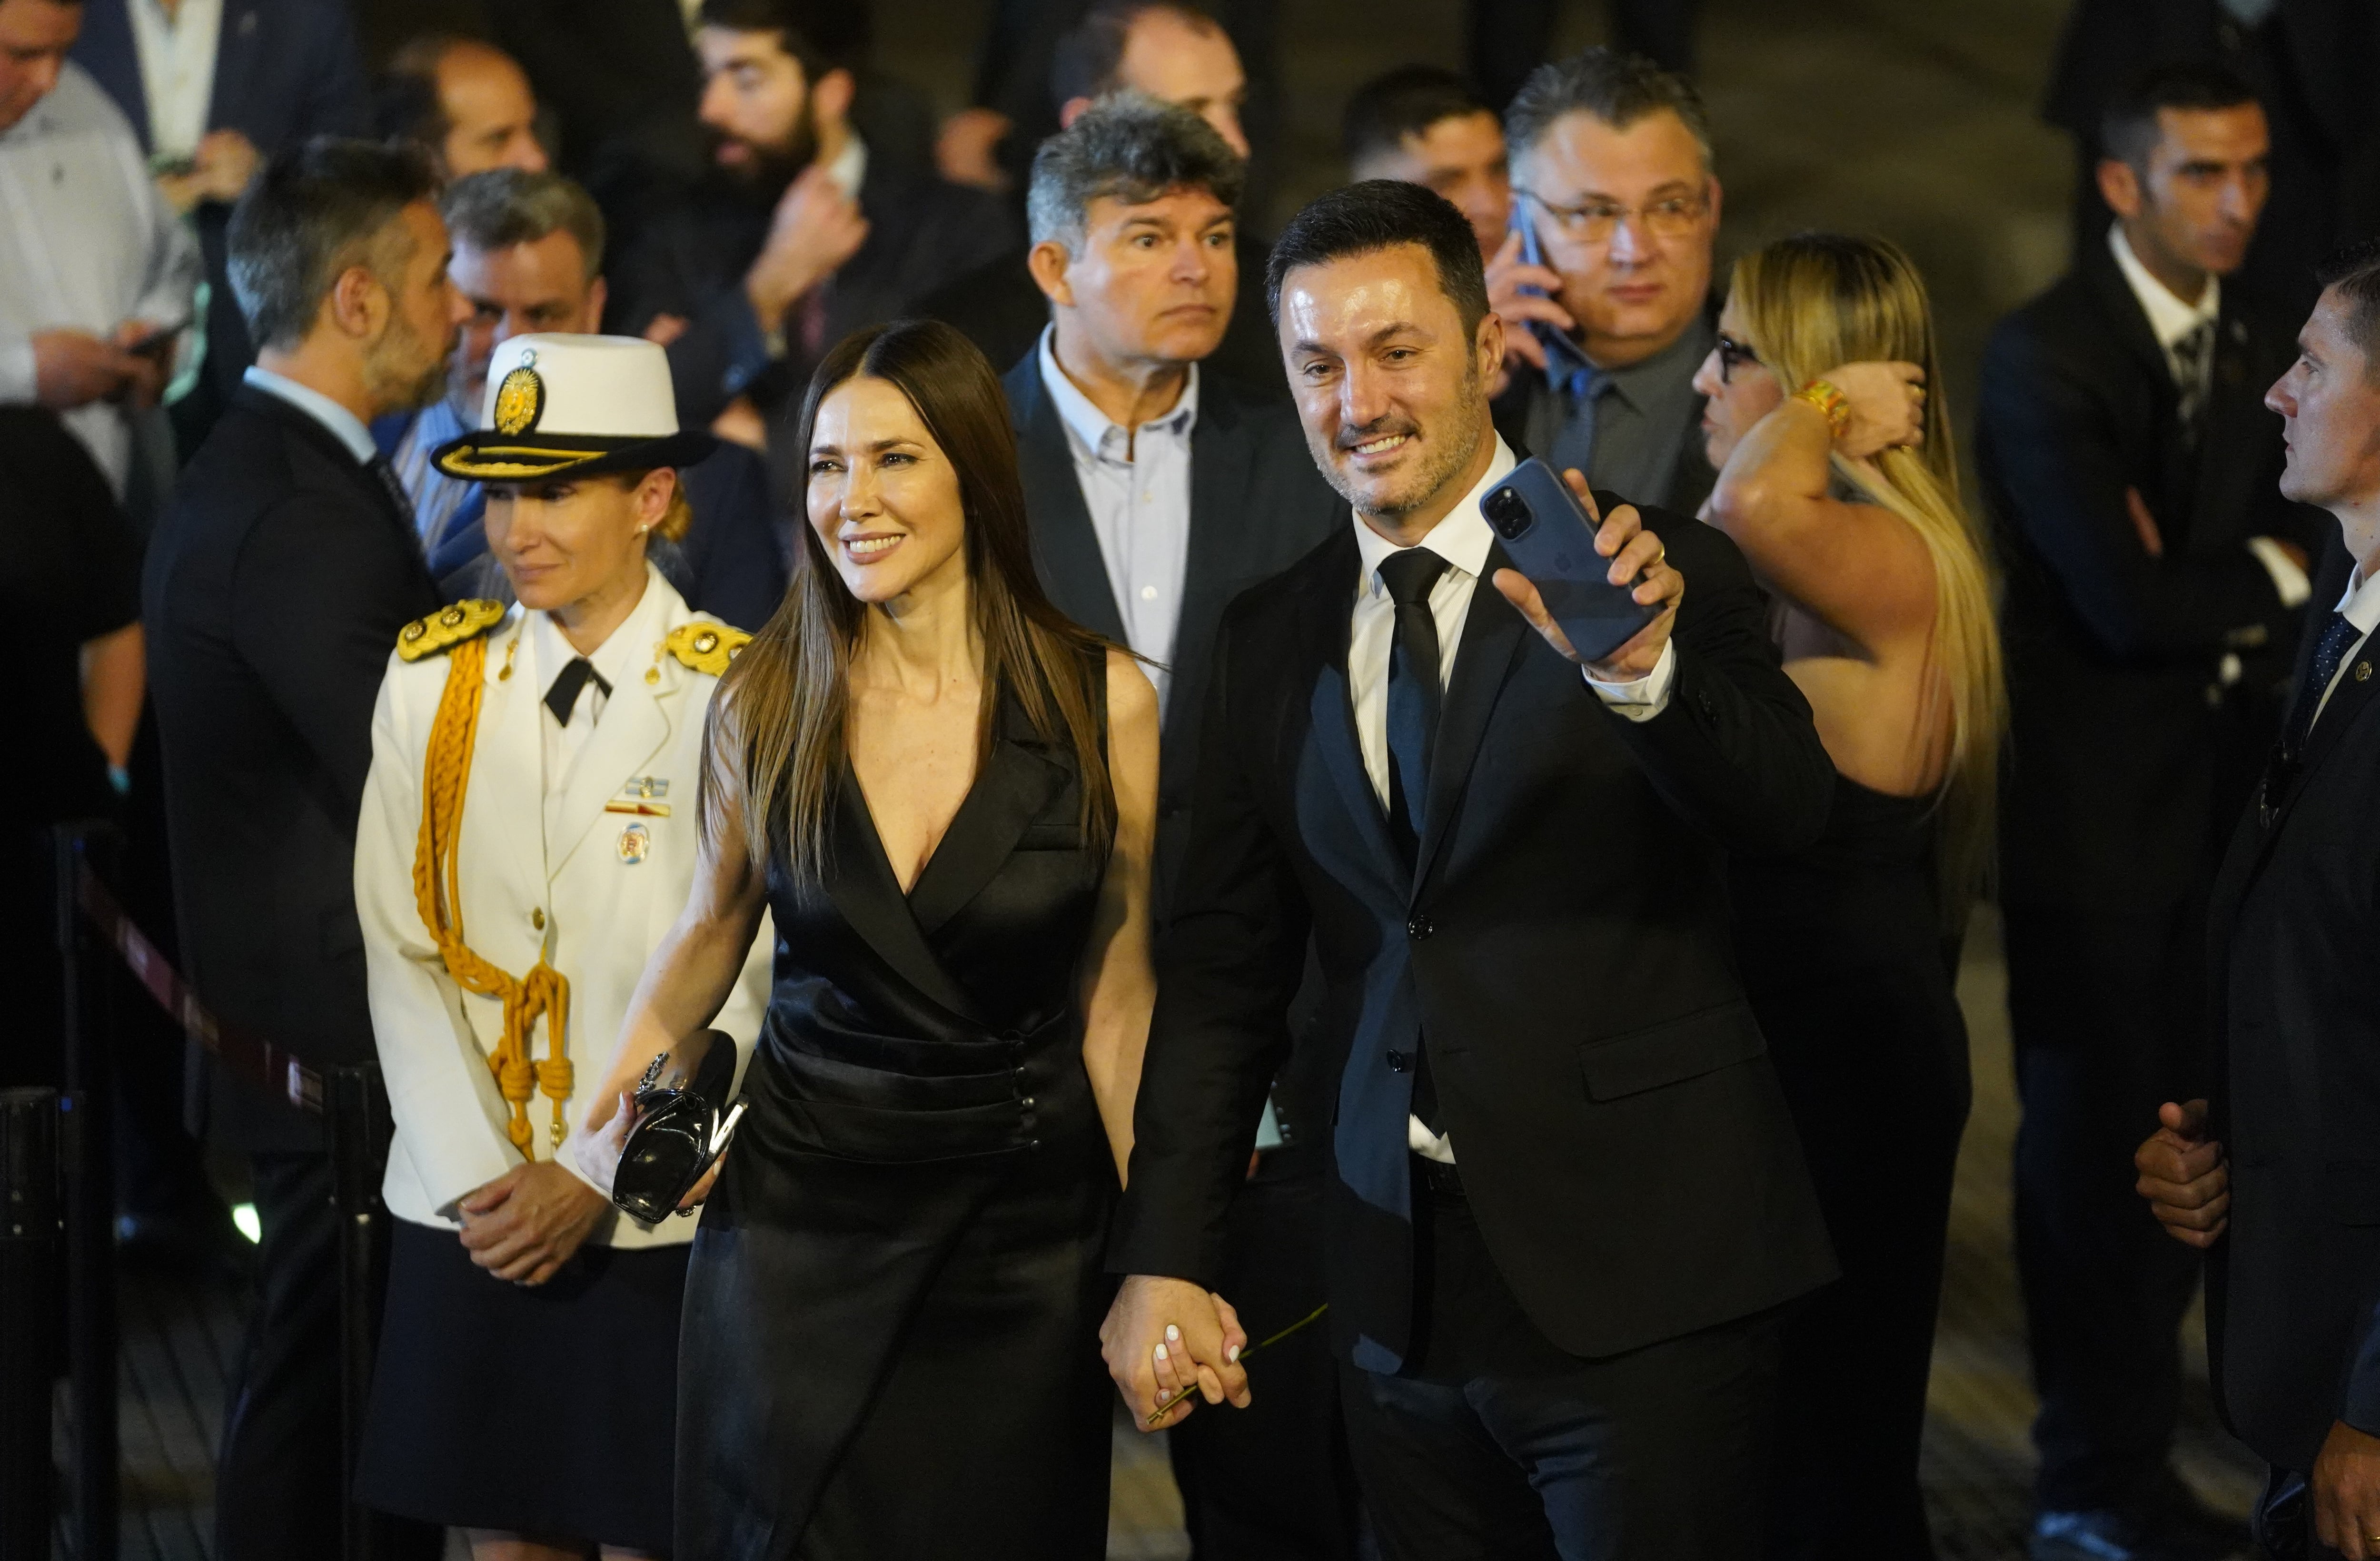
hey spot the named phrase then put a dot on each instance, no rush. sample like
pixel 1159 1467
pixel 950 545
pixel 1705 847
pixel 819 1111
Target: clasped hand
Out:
pixel 1636 554
pixel 1162 1336
pixel 2184 1175
pixel 529 1222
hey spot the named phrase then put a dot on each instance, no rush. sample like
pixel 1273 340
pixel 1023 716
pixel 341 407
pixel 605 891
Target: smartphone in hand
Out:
pixel 1550 538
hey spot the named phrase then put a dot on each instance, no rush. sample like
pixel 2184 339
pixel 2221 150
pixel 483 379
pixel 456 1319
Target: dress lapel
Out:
pixel 1493 635
pixel 1019 780
pixel 860 881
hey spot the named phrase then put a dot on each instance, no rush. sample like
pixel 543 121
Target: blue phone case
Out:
pixel 1547 533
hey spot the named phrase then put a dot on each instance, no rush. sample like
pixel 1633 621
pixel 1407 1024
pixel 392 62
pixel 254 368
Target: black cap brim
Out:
pixel 485 456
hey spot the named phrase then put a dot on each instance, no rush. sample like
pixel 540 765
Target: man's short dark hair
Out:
pixel 502 207
pixel 1381 215
pixel 821 35
pixel 1131 148
pixel 406 105
pixel 1616 89
pixel 1405 102
pixel 2354 271
pixel 314 211
pixel 2128 128
pixel 1089 60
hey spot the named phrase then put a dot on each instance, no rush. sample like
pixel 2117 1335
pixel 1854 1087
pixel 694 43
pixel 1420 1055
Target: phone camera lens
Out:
pixel 1508 513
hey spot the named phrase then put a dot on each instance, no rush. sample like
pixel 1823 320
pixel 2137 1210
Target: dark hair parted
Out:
pixel 1405 102
pixel 1358 219
pixel 314 211
pixel 2354 271
pixel 821 35
pixel 1089 59
pixel 786 700
pixel 1616 88
pixel 1129 148
pixel 2128 126
pixel 502 207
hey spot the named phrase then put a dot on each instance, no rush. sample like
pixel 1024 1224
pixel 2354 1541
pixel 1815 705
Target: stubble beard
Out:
pixel 1442 460
pixel 402 374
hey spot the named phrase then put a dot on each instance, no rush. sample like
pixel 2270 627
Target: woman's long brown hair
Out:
pixel 787 698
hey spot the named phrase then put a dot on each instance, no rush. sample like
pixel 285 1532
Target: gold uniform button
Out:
pixel 537 918
pixel 2363 672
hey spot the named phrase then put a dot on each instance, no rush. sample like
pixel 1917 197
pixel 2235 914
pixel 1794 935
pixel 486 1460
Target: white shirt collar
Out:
pixel 1093 428
pixel 849 169
pixel 2169 318
pixel 344 424
pixel 2361 605
pixel 1463 538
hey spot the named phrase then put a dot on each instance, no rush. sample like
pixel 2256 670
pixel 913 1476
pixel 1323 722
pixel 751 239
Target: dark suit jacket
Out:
pixel 1256 506
pixel 276 584
pixel 285 70
pixel 689 261
pixel 2127 758
pixel 2293 1290
pixel 1565 947
pixel 1692 477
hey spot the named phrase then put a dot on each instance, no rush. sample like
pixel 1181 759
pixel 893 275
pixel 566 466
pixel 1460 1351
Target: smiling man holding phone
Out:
pixel 1565 1199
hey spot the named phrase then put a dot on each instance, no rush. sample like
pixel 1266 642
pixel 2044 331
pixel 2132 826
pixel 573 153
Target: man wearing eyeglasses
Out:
pixel 1604 285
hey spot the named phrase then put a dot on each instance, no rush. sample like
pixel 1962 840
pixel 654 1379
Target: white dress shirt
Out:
pixel 2360 607
pixel 344 425
pixel 86 244
pixel 1135 484
pixel 2170 320
pixel 1463 538
pixel 177 70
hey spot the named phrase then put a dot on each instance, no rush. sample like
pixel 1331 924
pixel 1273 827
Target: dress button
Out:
pixel 537 918
pixel 1420 926
pixel 1400 1062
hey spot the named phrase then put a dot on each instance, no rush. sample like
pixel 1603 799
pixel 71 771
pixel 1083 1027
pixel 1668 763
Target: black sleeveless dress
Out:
pixel 890 1349
pixel 1843 956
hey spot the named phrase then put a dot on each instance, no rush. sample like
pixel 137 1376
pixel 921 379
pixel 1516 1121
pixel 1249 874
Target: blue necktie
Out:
pixel 1580 385
pixel 2338 637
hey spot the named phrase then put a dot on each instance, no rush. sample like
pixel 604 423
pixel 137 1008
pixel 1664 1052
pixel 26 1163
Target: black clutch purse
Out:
pixel 678 1133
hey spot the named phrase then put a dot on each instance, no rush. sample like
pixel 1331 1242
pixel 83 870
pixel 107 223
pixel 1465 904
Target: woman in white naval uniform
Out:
pixel 528 834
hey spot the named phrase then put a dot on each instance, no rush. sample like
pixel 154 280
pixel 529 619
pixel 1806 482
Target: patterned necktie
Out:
pixel 563 698
pixel 2338 637
pixel 2189 357
pixel 1581 385
pixel 1416 692
pixel 386 475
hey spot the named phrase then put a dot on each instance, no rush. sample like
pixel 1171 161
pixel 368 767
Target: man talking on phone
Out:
pixel 1565 1198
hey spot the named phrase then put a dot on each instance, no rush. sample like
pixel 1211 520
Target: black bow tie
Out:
pixel 563 698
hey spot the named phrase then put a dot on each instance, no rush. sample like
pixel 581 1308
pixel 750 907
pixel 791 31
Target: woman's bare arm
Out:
pixel 1119 982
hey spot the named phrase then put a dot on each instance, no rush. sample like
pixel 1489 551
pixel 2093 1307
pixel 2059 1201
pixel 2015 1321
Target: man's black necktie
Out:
pixel 2338 636
pixel 563 698
pixel 1415 694
pixel 2189 357
pixel 385 474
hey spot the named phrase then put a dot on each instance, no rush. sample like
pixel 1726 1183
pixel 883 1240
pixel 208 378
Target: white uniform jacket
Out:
pixel 588 870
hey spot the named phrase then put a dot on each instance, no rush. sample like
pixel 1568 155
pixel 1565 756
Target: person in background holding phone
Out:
pixel 1567 1202
pixel 528 831
pixel 1836 478
pixel 1604 286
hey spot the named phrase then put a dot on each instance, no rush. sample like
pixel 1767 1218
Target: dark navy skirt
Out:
pixel 548 1411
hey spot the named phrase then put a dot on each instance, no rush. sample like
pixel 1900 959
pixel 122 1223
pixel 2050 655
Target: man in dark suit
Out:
pixel 2312 62
pixel 284 70
pixel 1608 275
pixel 276 584
pixel 1566 1199
pixel 1159 491
pixel 2153 576
pixel 528 257
pixel 805 236
pixel 2275 1179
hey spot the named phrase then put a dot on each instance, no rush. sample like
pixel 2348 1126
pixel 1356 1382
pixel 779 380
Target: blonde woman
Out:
pixel 1836 478
pixel 528 837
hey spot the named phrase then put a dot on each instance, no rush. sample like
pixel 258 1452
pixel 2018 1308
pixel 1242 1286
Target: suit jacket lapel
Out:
pixel 2229 437
pixel 106 49
pixel 1332 714
pixel 1065 546
pixel 1493 636
pixel 1018 781
pixel 235 62
pixel 860 881
pixel 1219 515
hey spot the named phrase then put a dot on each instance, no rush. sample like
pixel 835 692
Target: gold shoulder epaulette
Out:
pixel 707 648
pixel 443 631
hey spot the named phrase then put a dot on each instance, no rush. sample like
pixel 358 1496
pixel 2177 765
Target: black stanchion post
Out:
pixel 360 1130
pixel 29 1308
pixel 89 1163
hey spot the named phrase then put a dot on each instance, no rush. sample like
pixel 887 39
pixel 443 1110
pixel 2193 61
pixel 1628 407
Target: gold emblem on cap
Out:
pixel 520 400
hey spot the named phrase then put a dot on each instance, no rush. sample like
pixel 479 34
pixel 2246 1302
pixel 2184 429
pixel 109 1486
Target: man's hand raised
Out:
pixel 1165 1335
pixel 1636 554
pixel 817 227
pixel 2184 1175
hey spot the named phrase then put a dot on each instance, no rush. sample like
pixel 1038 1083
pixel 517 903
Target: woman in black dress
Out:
pixel 1837 479
pixel 945 794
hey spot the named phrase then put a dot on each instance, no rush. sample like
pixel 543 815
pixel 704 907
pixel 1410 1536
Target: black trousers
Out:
pixel 1497 1446
pixel 2109 1015
pixel 1273 1481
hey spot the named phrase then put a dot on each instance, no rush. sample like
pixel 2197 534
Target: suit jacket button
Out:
pixel 1420 926
pixel 1400 1062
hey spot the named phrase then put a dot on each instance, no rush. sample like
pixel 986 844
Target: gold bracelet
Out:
pixel 1831 401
